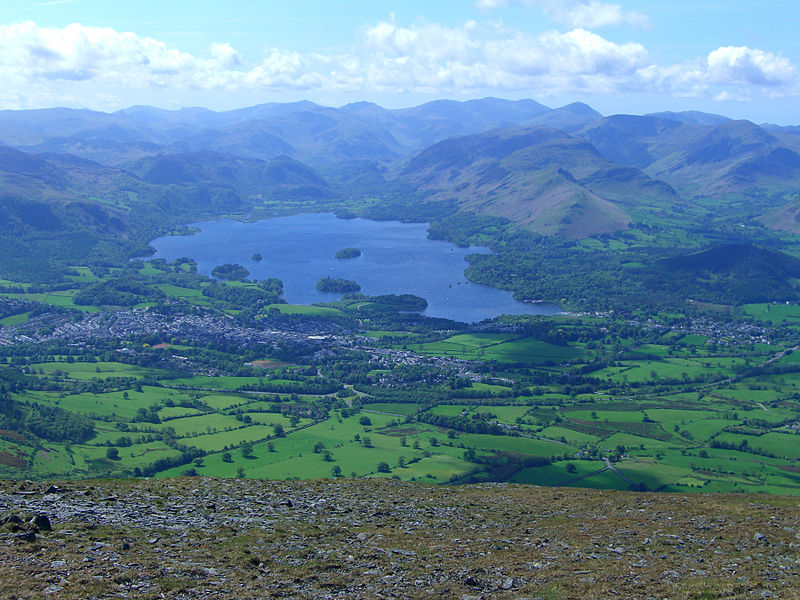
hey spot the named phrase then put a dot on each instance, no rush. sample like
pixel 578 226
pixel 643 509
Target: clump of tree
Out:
pixel 401 301
pixel 341 286
pixel 246 449
pixel 265 292
pixel 118 292
pixel 345 253
pixel 232 271
pixel 47 422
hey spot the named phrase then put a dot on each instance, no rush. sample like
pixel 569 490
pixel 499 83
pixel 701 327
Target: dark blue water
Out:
pixel 396 258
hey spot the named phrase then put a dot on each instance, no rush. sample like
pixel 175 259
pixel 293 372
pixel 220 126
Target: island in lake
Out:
pixel 342 286
pixel 234 272
pixel 348 253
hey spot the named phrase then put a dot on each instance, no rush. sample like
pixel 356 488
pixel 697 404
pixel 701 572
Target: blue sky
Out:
pixel 735 58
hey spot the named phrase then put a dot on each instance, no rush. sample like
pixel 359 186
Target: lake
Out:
pixel 396 258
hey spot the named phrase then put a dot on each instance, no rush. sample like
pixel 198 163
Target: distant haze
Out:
pixel 630 56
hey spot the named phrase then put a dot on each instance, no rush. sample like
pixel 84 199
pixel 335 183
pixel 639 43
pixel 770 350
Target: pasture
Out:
pixel 501 347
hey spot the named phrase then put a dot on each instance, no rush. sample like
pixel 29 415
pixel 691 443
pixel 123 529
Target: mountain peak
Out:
pixel 580 108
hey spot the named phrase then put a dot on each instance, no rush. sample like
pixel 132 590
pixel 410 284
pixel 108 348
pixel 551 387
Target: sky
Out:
pixel 738 58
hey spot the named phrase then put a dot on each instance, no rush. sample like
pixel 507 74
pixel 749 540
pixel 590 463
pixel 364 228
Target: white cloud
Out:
pixel 76 53
pixel 577 13
pixel 101 67
pixel 225 55
pixel 727 73
pixel 490 57
pixel 742 65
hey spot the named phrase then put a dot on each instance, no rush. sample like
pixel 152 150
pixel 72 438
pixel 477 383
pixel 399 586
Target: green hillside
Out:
pixel 542 178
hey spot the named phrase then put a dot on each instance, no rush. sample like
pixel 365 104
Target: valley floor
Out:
pixel 236 538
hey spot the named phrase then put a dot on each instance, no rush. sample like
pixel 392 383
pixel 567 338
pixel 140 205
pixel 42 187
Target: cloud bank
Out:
pixel 42 66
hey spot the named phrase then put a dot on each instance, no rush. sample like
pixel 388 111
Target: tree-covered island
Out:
pixel 342 286
pixel 345 253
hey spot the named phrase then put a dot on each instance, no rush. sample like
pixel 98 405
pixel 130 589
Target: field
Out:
pixel 305 310
pixel 579 474
pixel 293 456
pixel 774 313
pixel 15 319
pixel 173 291
pixel 670 410
pixel 64 299
pixel 498 346
pixel 98 369
pixel 658 446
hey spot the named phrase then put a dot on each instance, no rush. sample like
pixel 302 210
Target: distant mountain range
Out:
pixel 567 171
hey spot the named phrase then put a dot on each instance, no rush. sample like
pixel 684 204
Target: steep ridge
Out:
pixel 691 117
pixel 706 155
pixel 737 156
pixel 357 147
pixel 304 130
pixel 639 141
pixel 22 128
pixel 104 151
pixel 60 209
pixel 317 137
pixel 421 126
pixel 247 176
pixel 553 183
pixel 566 117
pixel 19 171
pixel 785 218
pixel 325 136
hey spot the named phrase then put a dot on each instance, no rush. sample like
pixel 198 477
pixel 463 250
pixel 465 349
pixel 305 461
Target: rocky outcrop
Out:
pixel 208 538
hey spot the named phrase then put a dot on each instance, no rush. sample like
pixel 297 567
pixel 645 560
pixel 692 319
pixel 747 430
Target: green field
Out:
pixel 294 456
pixel 617 416
pixel 501 347
pixel 64 299
pixel 573 438
pixel 83 274
pixel 558 474
pixel 668 368
pixel 663 406
pixel 173 291
pixel 100 369
pixel 216 423
pixel 214 383
pixel 393 408
pixel 306 310
pixel 108 404
pixel 17 319
pixel 220 402
pixel 774 313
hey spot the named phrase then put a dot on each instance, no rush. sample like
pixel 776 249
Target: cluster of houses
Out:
pixel 723 333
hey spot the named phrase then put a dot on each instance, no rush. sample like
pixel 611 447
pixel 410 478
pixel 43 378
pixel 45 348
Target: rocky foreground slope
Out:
pixel 209 538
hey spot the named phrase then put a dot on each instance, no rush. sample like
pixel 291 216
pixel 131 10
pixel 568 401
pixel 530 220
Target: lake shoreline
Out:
pixel 396 258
